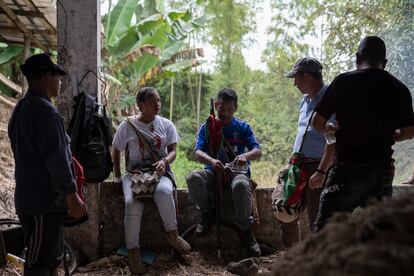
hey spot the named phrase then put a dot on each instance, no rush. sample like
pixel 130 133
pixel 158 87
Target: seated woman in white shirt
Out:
pixel 162 137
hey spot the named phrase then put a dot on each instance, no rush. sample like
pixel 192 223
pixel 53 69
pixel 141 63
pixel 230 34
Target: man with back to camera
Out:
pixel 45 183
pixel 307 75
pixel 373 111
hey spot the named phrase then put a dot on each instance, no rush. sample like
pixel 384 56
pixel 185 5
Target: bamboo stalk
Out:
pixel 199 98
pixel 190 89
pixel 171 98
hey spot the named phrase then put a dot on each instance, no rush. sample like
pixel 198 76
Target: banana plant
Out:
pixel 143 40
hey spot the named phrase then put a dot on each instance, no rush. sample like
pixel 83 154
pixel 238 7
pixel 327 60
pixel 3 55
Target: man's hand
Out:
pixel 283 171
pixel 316 180
pixel 160 167
pixel 216 165
pixel 240 160
pixel 77 208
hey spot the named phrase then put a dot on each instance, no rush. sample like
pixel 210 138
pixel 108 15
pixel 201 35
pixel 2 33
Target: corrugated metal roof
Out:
pixel 33 18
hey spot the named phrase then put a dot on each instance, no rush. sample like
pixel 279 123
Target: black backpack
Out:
pixel 91 137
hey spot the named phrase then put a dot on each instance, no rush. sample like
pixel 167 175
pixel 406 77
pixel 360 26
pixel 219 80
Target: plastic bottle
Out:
pixel 16 261
pixel 330 134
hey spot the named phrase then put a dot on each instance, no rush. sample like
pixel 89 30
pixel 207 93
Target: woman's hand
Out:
pixel 161 166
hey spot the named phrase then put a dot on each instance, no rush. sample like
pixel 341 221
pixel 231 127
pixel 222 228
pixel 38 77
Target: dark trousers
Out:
pixel 310 201
pixel 43 237
pixel 351 186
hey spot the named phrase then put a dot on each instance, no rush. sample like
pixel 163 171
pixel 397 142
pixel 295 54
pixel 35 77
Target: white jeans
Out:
pixel 164 199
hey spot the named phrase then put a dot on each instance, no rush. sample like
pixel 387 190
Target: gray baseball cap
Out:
pixel 306 64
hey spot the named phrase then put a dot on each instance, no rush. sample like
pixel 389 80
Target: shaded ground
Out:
pixel 6 166
pixel 164 265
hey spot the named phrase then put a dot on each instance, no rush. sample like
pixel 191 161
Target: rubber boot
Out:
pixel 53 272
pixel 204 226
pixel 249 242
pixel 178 243
pixel 134 262
pixel 290 233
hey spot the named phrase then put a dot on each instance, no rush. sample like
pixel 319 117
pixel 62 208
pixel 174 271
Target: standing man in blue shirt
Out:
pixel 307 75
pixel 45 183
pixel 243 143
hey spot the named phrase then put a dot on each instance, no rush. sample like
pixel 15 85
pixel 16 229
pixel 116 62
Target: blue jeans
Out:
pixel 351 186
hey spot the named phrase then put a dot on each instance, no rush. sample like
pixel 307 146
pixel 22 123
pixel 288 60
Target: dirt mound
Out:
pixel 379 240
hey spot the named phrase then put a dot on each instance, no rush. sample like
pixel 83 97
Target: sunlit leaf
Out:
pixel 10 52
pixel 120 19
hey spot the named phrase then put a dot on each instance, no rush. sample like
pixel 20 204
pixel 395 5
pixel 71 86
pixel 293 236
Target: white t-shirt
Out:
pixel 160 133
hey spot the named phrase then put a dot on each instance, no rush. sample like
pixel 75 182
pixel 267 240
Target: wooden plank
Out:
pixel 13 30
pixel 6 101
pixel 45 22
pixel 10 84
pixel 19 24
pixel 27 13
pixel 26 55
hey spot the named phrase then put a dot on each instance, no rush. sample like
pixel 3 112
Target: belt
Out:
pixel 312 160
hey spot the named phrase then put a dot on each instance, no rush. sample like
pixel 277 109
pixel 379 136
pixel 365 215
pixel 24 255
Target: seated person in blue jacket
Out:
pixel 240 139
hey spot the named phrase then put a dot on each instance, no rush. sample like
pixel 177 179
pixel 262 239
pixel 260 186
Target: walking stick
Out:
pixel 216 184
pixel 217 206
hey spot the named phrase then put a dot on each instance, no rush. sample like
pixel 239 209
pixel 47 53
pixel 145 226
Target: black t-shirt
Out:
pixel 370 104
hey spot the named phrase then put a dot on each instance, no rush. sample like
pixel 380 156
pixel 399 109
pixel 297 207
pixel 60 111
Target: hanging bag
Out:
pixel 290 184
pixel 145 180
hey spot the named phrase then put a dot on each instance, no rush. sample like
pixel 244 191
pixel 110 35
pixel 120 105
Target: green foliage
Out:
pixel 181 167
pixel 10 52
pixel 268 101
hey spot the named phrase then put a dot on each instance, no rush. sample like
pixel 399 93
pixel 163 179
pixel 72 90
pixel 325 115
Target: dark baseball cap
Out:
pixel 40 63
pixel 306 64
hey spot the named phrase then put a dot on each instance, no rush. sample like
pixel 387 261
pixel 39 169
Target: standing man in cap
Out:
pixel 307 75
pixel 374 110
pixel 45 182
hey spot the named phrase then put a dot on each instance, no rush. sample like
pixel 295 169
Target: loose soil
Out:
pixel 378 240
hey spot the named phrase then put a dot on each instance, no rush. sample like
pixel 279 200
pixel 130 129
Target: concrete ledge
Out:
pixel 103 234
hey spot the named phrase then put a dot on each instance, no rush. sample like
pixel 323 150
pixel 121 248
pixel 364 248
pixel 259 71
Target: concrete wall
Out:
pixel 152 233
pixel 104 231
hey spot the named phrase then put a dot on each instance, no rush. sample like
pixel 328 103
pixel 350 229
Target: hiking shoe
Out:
pixel 204 226
pixel 178 243
pixel 134 262
pixel 246 267
pixel 249 243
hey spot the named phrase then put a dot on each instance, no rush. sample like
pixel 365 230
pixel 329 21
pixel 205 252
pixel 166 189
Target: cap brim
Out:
pixel 291 74
pixel 58 69
pixel 29 70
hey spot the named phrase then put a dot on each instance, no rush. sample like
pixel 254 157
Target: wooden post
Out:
pixel 78 29
pixel 26 55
